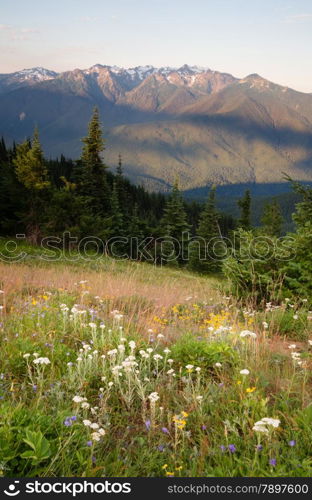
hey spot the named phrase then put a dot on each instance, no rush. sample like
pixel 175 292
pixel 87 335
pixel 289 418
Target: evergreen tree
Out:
pixel 117 219
pixel 244 204
pixel 119 166
pixel 12 194
pixel 123 195
pixel 272 219
pixel 3 152
pixel 202 251
pixel 90 171
pixel 31 171
pixel 30 165
pixel 174 227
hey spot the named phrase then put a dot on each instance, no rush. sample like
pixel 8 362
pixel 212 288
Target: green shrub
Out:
pixel 256 267
pixel 203 353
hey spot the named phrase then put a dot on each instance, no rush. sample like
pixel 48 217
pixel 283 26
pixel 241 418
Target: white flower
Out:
pixel 295 316
pixel 295 355
pixel 218 365
pixel 267 421
pixel 26 355
pixel 160 336
pixel 199 398
pixel 78 399
pixel 132 344
pixel 94 426
pixel 113 352
pixel 197 369
pixel 87 423
pixel 265 325
pixel 96 436
pixel 42 361
pixel 153 397
pixel 118 317
pixel 274 422
pixel 244 372
pixel 292 346
pixel 248 333
pixel 167 351
pixel 170 361
pixel 310 342
pixel 110 384
pixel 263 424
pixel 92 325
pixel 189 367
pixel 149 350
pixel 169 372
pixel 260 428
pixel 85 405
pixel 157 356
pixel 102 432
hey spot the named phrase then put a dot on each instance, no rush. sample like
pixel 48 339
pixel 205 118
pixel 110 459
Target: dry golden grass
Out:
pixel 146 290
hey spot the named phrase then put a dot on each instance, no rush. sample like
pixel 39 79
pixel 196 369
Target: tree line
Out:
pixel 41 197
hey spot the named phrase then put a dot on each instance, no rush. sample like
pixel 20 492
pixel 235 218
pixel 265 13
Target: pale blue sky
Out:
pixel 269 37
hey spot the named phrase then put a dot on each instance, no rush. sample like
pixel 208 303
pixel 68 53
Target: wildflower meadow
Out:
pixel 124 369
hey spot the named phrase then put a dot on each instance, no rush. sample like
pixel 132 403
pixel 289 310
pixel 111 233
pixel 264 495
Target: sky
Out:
pixel 270 37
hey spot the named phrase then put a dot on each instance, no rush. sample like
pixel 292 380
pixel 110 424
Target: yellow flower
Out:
pixel 184 414
pixel 171 474
pixel 250 389
pixel 34 302
pixel 165 466
pixel 178 468
pixel 239 382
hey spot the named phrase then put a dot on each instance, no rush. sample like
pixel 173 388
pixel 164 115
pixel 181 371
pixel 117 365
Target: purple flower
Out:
pixel 204 427
pixel 161 447
pixel 93 459
pixel 34 387
pixel 292 443
pixel 89 443
pixel 232 448
pixel 259 447
pixel 222 447
pixel 148 424
pixel 67 422
pixel 73 418
pixel 165 430
pixel 221 384
pixel 272 461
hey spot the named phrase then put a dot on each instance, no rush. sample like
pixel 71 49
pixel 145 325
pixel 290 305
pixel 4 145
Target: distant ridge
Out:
pixel 198 124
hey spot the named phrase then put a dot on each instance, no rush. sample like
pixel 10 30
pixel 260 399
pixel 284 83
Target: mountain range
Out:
pixel 191 123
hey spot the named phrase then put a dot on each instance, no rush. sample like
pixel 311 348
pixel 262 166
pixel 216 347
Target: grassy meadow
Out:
pixel 111 368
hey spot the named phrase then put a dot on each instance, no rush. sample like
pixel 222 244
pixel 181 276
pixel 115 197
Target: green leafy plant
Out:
pixel 40 447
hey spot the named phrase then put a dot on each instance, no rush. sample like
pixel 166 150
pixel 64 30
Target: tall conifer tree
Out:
pixel 90 172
